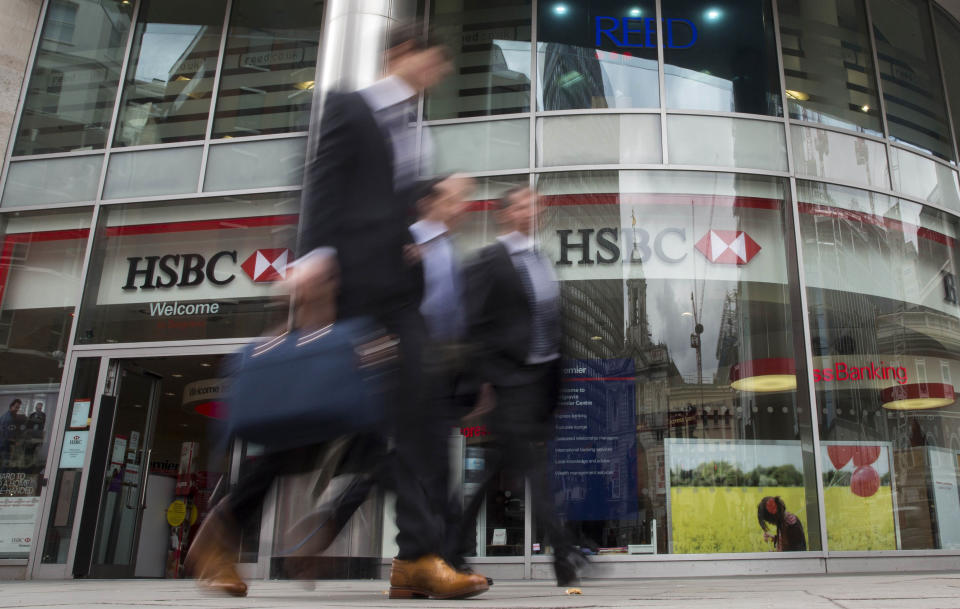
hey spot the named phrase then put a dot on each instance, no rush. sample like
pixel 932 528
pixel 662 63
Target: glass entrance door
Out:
pixel 125 477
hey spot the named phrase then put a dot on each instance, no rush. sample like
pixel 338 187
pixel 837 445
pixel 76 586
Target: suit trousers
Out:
pixel 521 428
pixel 415 469
pixel 418 469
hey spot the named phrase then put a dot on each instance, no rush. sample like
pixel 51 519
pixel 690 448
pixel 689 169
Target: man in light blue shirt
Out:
pixel 440 211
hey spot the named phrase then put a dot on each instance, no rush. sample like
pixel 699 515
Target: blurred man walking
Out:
pixel 357 202
pixel 514 326
pixel 359 198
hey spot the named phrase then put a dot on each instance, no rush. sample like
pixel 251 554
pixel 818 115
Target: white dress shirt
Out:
pixel 392 101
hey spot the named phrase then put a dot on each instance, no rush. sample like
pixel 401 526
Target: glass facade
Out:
pixel 752 208
pixel 490 45
pixel 827 64
pixel 721 58
pixel 166 95
pixel 680 311
pixel 912 88
pixel 165 277
pixel 597 54
pixel 70 95
pixel 267 81
pixel 40 268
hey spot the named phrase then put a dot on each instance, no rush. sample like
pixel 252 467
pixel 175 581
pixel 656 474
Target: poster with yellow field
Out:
pixel 858 496
pixel 715 486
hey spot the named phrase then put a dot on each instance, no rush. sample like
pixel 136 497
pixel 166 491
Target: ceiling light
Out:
pixel 596 338
pixel 635 12
pixel 797 95
pixel 686 314
pixel 306 85
pixel 177 375
pixel 182 78
pixel 713 14
pixel 865 108
pixel 917 396
pixel 170 394
pixel 764 375
pixel 560 9
pixel 206 364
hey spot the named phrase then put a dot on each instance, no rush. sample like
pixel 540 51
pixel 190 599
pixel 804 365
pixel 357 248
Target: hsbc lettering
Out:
pixel 637 245
pixel 177 270
pixel 606 245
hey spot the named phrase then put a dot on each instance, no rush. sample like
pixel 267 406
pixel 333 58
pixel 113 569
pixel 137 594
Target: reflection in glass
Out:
pixel 828 63
pixel 911 76
pixel 266 85
pixel 948 35
pixel 598 139
pixel 839 156
pixel 479 146
pixel 41 257
pixel 490 43
pixel 721 58
pixel 73 87
pixel 168 87
pixel 214 275
pixel 885 354
pixel 722 141
pixel 597 54
pixel 680 406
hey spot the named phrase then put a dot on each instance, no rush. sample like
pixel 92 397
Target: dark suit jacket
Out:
pixel 499 317
pixel 350 204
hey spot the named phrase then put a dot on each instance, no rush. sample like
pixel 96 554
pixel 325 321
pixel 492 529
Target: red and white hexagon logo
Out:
pixel 728 247
pixel 266 265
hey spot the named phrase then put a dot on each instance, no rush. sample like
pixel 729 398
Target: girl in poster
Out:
pixel 789 537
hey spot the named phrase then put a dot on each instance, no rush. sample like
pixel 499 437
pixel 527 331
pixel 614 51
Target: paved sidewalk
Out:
pixel 883 591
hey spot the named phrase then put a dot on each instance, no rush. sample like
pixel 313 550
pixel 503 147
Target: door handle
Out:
pixel 146 479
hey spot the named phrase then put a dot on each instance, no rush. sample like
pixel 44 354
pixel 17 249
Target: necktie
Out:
pixel 442 304
pixel 544 330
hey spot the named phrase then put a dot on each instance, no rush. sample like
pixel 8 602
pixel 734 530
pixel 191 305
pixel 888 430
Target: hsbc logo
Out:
pixel 609 245
pixel 187 270
pixel 264 266
pixel 728 247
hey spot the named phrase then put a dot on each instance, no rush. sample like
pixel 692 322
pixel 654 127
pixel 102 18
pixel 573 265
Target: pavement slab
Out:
pixel 873 591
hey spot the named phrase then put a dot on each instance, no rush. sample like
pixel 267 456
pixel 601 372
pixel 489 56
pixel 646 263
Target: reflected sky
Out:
pixel 163 46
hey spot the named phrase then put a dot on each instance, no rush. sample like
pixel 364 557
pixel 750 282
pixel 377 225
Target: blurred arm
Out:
pixel 325 194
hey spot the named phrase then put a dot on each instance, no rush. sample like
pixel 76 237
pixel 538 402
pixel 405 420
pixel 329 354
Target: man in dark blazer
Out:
pixel 358 201
pixel 513 317
pixel 356 211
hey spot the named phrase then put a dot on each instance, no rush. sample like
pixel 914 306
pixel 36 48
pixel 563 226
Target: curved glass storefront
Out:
pixel 752 207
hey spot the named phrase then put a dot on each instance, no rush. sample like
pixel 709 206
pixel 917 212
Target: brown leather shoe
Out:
pixel 209 558
pixel 226 580
pixel 431 577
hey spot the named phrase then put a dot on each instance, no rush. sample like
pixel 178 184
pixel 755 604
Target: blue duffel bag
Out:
pixel 306 387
